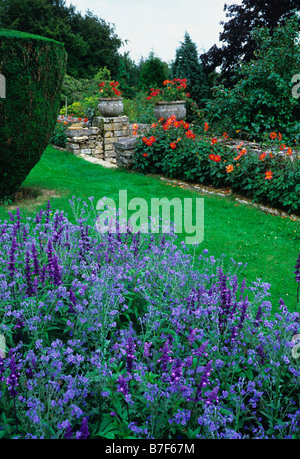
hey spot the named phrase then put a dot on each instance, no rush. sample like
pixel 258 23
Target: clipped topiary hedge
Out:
pixel 33 67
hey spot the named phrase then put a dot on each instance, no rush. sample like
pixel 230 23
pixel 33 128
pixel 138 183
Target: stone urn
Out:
pixel 165 109
pixel 110 107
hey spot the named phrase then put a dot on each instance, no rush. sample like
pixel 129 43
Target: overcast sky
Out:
pixel 160 25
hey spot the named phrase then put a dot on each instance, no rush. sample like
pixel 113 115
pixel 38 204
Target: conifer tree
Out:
pixel 153 72
pixel 187 65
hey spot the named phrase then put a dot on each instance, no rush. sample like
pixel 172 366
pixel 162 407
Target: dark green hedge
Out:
pixel 34 68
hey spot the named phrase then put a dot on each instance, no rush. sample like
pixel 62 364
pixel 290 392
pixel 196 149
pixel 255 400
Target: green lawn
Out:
pixel 268 244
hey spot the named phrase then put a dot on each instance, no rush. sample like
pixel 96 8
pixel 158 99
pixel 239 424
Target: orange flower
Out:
pixel 241 153
pixel 268 175
pixel 229 168
pixel 135 126
pixel 282 146
pixel 145 155
pixel 225 135
pixel 213 141
pixel 271 155
pixel 279 137
pixel 239 146
pixel 206 126
pixel 153 125
pixel 263 156
pixel 289 151
pixel 173 145
pixel 134 132
pixel 273 135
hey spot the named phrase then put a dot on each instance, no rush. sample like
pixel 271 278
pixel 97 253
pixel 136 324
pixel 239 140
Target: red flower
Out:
pixel 145 155
pixel 190 135
pixel 263 156
pixel 173 145
pixel 273 135
pixel 215 158
pixel 214 141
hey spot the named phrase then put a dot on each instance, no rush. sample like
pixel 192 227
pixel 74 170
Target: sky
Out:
pixel 160 26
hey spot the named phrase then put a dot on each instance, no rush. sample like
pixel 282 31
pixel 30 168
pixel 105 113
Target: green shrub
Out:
pixel 80 108
pixel 59 138
pixel 139 110
pixel 261 100
pixel 34 68
pixel 78 89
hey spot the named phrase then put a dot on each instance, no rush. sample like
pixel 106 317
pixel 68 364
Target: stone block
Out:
pixel 72 146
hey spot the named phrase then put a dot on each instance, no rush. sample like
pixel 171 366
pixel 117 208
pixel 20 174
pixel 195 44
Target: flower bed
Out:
pixel 127 336
pixel 176 150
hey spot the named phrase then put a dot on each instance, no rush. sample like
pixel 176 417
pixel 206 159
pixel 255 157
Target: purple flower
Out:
pixel 13 380
pixel 84 430
pixel 69 432
pixel 122 385
pixel 297 269
pixel 11 265
pixel 146 349
pixel 166 358
pixel 130 347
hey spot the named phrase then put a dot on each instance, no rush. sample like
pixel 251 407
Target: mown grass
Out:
pixel 268 244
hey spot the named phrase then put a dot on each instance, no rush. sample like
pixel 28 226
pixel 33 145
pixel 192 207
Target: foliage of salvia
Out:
pixel 122 334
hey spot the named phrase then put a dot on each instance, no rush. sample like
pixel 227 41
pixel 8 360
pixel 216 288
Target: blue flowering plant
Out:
pixel 128 335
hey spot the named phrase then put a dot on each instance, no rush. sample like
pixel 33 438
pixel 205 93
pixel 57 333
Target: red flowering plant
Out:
pixel 165 147
pixel 173 90
pixel 108 89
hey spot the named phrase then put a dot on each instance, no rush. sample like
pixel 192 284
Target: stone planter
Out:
pixel 110 107
pixel 164 109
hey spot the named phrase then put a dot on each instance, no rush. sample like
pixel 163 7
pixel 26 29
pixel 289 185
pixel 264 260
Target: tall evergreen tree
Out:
pixel 236 36
pixel 187 65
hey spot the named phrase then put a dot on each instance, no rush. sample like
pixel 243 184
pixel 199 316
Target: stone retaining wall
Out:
pixel 84 141
pixel 108 138
pixel 125 151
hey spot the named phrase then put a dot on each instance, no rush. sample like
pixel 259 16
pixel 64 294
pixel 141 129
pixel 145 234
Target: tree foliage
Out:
pixel 89 41
pixel 238 42
pixel 262 98
pixel 153 72
pixel 187 65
